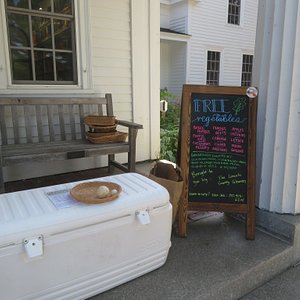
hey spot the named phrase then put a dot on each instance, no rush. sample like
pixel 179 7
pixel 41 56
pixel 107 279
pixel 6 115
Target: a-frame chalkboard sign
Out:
pixel 217 152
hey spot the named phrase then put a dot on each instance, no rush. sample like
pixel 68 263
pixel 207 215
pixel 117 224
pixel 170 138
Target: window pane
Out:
pixel 63 6
pixel 42 5
pixel 234 7
pixel 21 65
pixel 64 66
pixel 41 39
pixel 63 35
pixel 43 65
pixel 18 3
pixel 18 30
pixel 247 70
pixel 41 32
pixel 213 66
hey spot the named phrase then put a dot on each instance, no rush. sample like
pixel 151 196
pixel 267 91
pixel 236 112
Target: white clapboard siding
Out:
pixel 164 16
pixel 173 66
pixel 165 64
pixel 111 52
pixel 178 24
pixel 209 31
pixel 178 68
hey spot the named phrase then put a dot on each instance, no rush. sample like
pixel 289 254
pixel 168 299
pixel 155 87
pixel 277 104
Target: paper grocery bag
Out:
pixel 168 176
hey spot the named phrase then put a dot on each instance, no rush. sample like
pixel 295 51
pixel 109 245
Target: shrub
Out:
pixel 168 144
pixel 169 128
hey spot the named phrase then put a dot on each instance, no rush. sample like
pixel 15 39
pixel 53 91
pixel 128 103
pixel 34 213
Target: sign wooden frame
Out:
pixel 247 208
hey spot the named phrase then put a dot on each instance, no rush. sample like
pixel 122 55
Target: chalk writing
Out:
pixel 238 105
pixel 209 105
pixel 218 149
pixel 218 118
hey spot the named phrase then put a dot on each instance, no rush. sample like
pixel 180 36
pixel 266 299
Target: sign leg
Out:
pixel 182 219
pixel 250 225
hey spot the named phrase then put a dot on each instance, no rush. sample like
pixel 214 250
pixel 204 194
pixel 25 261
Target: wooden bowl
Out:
pixel 86 192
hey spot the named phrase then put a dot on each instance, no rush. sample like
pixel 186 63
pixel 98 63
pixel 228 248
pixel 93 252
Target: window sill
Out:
pixel 240 26
pixel 46 90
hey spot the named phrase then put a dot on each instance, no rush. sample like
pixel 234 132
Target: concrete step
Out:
pixel 284 286
pixel 214 261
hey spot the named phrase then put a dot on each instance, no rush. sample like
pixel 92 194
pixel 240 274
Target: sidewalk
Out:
pixel 283 286
pixel 215 261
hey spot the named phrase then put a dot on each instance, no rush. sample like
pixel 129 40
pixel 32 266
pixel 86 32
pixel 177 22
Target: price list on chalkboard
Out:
pixel 218 149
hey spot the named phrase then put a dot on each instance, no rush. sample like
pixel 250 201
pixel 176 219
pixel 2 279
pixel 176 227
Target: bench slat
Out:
pixel 109 106
pixel 50 122
pixel 57 151
pixel 81 117
pixel 100 110
pixel 39 123
pixel 47 101
pixel 62 121
pixel 15 120
pixel 28 116
pixel 2 126
pixel 72 122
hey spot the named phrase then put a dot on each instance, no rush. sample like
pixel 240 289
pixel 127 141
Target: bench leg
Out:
pixel 111 157
pixel 132 149
pixel 131 155
pixel 2 189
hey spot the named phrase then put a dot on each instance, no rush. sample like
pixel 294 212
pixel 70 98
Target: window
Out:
pixel 213 68
pixel 41 41
pixel 234 11
pixel 247 70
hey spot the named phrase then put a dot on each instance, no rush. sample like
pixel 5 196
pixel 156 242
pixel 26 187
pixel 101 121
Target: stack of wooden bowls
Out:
pixel 102 129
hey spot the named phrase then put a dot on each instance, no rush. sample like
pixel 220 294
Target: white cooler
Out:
pixel 52 247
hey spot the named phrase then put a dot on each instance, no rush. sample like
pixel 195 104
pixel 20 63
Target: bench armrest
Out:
pixel 130 124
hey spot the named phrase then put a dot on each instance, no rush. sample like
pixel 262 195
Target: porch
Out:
pixel 215 261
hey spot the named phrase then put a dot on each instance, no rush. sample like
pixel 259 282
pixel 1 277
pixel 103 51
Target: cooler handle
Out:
pixel 143 216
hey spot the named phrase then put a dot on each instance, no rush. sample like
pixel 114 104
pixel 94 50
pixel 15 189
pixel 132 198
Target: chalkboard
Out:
pixel 217 151
pixel 218 148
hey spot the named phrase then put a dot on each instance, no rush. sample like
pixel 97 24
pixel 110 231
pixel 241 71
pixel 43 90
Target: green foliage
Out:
pixel 169 128
pixel 170 119
pixel 165 95
pixel 168 144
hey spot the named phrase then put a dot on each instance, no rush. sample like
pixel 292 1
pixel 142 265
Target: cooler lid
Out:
pixel 44 210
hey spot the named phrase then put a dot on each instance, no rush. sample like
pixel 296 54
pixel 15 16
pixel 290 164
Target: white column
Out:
pixel 145 34
pixel 276 73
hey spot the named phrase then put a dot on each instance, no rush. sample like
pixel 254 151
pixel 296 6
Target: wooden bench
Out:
pixel 43 129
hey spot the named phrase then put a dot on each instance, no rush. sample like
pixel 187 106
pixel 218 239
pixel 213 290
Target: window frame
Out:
pixel 53 50
pixel 239 15
pixel 83 58
pixel 246 72
pixel 209 70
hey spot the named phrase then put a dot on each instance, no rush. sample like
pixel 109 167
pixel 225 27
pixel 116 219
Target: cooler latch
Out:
pixel 34 246
pixel 143 216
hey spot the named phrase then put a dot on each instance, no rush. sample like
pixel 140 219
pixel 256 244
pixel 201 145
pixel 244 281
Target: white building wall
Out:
pixel 111 52
pixel 209 30
pixel 165 64
pixel 173 53
pixel 165 16
pixel 179 17
pixel 178 67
